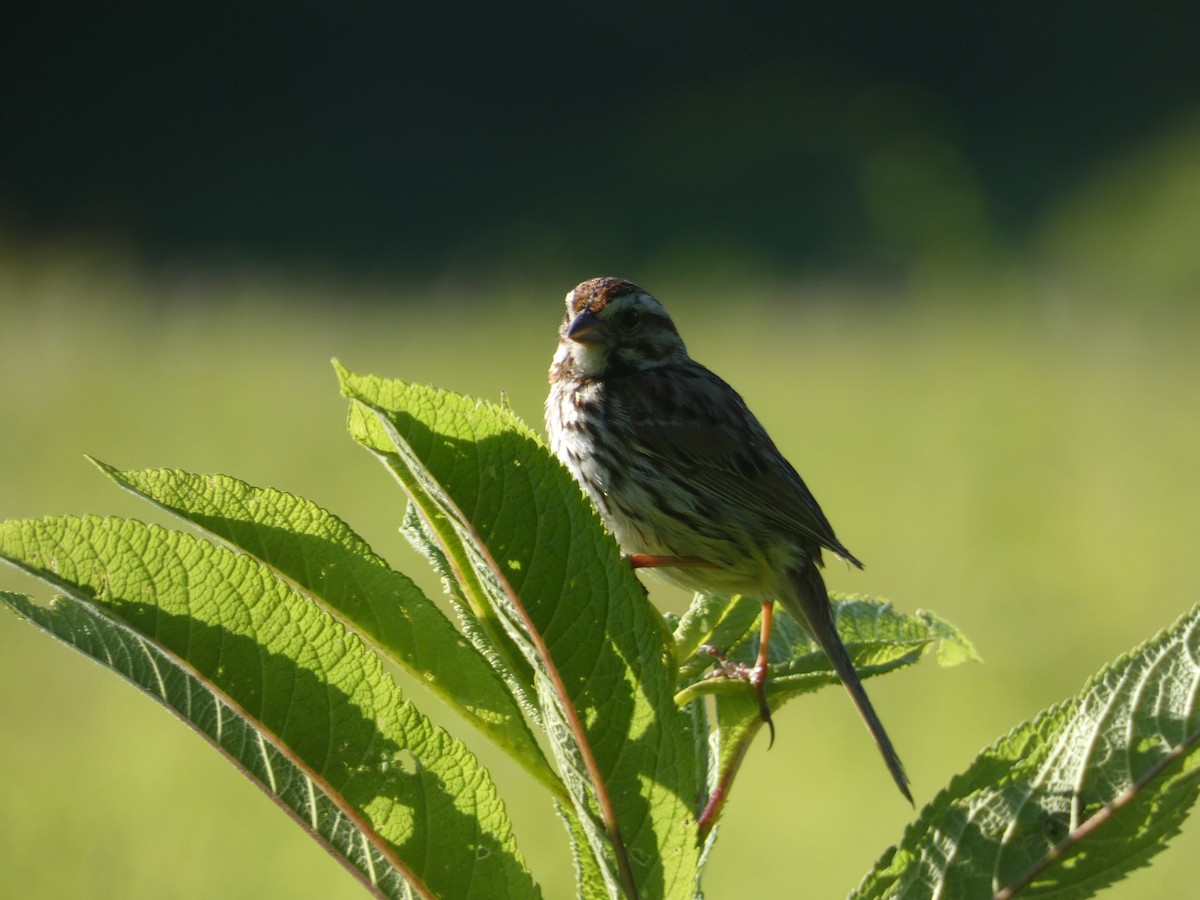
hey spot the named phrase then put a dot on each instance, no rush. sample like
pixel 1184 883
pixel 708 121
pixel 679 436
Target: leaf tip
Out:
pixel 343 374
pixel 953 646
pixel 111 471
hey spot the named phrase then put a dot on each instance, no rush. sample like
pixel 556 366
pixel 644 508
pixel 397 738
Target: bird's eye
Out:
pixel 628 318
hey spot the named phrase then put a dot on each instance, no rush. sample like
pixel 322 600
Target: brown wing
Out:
pixel 692 423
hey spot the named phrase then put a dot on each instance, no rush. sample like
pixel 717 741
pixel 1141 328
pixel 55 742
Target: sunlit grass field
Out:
pixel 1026 467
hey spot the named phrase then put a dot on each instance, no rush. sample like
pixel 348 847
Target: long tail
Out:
pixel 810 606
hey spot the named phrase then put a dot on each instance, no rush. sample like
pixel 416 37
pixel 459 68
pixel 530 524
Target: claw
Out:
pixel 758 678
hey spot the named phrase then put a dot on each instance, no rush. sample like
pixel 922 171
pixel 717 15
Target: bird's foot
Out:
pixel 726 667
pixel 755 675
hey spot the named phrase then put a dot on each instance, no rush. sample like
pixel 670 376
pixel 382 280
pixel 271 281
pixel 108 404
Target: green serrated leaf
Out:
pixel 534 555
pixel 518 678
pixel 878 638
pixel 1041 781
pixel 145 664
pixel 324 557
pixel 211 632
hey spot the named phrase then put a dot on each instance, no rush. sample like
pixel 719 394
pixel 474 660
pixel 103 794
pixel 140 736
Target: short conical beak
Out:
pixel 585 328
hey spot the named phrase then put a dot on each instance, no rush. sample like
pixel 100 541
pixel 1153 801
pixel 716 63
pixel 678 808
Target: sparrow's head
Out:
pixel 613 327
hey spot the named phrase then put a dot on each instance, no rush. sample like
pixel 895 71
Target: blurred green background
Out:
pixel 965 241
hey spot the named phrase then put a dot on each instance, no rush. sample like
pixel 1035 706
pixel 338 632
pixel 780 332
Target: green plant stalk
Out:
pixel 600 791
pixel 732 762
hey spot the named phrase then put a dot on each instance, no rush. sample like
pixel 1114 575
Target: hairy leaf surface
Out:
pixel 542 575
pixel 284 690
pixel 323 556
pixel 1045 778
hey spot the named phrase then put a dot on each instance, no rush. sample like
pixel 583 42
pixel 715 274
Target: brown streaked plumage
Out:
pixel 686 477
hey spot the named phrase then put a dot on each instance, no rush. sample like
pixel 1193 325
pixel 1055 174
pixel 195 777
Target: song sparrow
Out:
pixel 686 477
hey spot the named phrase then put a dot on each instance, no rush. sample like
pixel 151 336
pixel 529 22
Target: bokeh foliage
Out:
pixel 1025 465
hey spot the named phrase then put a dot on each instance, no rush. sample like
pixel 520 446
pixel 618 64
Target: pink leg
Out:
pixel 647 561
pixel 758 675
